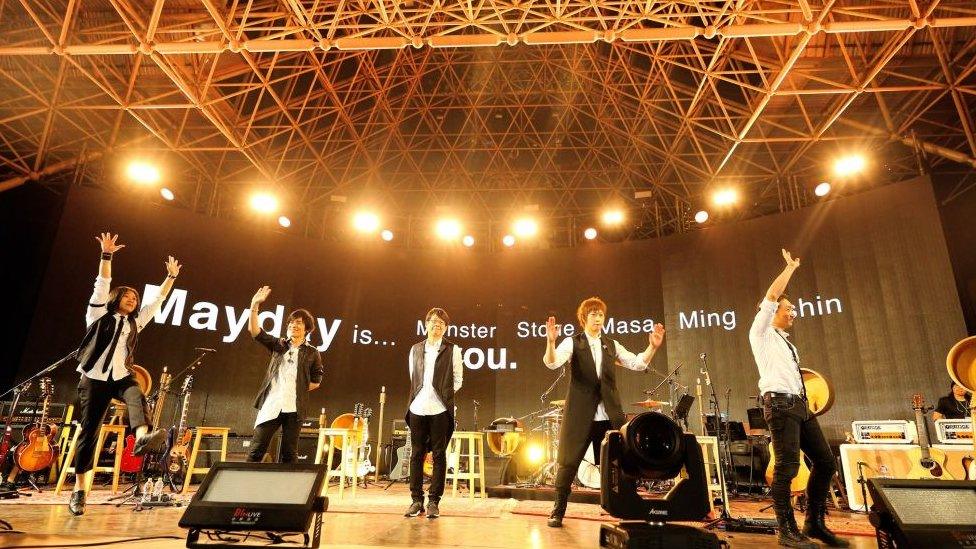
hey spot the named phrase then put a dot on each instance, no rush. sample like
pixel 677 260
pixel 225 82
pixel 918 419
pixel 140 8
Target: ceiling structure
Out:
pixel 486 108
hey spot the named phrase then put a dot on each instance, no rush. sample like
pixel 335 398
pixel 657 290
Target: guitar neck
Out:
pixel 186 404
pixel 923 432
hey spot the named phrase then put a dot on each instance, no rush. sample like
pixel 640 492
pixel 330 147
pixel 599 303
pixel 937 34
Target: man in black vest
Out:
pixel 592 402
pixel 295 369
pixel 436 369
pixel 105 358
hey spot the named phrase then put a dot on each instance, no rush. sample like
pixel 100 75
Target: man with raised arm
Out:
pixel 792 426
pixel 105 358
pixel 592 402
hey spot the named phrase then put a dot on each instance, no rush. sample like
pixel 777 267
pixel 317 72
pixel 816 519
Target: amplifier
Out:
pixel 886 431
pixel 28 412
pixel 954 431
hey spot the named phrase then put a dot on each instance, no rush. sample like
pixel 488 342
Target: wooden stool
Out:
pixel 103 433
pixel 350 445
pixel 191 468
pixel 476 461
pixel 64 438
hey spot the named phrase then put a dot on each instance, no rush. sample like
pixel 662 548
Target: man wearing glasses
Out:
pixel 435 369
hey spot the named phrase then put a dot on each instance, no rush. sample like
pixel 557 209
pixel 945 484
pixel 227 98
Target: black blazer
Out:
pixel 309 370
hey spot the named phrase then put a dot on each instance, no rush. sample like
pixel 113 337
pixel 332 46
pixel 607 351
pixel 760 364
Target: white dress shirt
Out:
pixel 92 314
pixel 627 359
pixel 777 359
pixel 427 403
pixel 281 397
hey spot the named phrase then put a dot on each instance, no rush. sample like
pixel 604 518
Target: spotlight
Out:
pixel 851 164
pixel 701 216
pixel 468 241
pixel 508 240
pixel 143 172
pixel 725 197
pixel 448 229
pixel 386 235
pixel 264 202
pixel 166 194
pixel 535 454
pixel 366 222
pixel 284 221
pixel 525 227
pixel 822 189
pixel 589 233
pixel 613 217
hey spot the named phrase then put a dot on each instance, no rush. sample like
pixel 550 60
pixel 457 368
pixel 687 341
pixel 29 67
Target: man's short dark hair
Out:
pixel 441 314
pixel 307 319
pixel 115 297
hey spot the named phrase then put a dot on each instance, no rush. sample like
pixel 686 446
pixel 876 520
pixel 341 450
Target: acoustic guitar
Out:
pixel 799 482
pixel 132 463
pixel 927 462
pixel 8 431
pixel 38 449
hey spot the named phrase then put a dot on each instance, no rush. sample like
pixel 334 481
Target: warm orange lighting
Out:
pixel 448 228
pixel 822 189
pixel 701 216
pixel 468 241
pixel 613 217
pixel 143 172
pixel 366 222
pixel 525 227
pixel 848 165
pixel 508 240
pixel 284 221
pixel 386 235
pixel 264 202
pixel 589 233
pixel 725 197
pixel 166 194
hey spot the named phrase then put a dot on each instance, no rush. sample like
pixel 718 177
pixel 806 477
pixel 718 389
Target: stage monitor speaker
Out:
pixel 500 470
pixel 756 419
pixel 923 513
pixel 307 443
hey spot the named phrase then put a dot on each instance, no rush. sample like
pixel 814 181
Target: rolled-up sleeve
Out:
pixel 629 360
pixel 458 368
pixel 764 319
pixel 563 351
pixel 98 303
pixel 149 311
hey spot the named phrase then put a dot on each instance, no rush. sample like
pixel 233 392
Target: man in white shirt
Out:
pixel 105 358
pixel 436 370
pixel 786 410
pixel 592 402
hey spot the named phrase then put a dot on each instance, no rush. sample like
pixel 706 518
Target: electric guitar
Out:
pixel 132 463
pixel 178 456
pixel 927 463
pixel 361 422
pixel 38 449
pixel 401 469
pixel 8 431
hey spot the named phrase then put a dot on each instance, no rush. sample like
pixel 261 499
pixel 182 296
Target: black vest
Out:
pixel 586 390
pixel 443 375
pixel 99 337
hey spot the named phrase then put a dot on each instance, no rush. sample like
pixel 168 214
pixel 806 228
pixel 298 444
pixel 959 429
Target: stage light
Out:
pixel 508 240
pixel 822 189
pixel 851 164
pixel 166 194
pixel 468 241
pixel 525 227
pixel 589 233
pixel 143 172
pixel 386 235
pixel 448 228
pixel 264 202
pixel 613 217
pixel 284 221
pixel 701 216
pixel 366 222
pixel 725 197
pixel 535 454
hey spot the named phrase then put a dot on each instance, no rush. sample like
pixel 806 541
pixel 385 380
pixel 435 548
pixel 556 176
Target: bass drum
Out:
pixel 588 473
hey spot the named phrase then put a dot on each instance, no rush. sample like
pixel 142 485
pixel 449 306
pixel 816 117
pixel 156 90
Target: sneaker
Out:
pixel 150 442
pixel 432 510
pixel 416 509
pixel 76 505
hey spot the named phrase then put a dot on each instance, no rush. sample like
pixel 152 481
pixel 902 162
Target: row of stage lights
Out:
pixel 451 229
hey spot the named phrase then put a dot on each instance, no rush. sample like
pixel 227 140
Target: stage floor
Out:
pixel 372 519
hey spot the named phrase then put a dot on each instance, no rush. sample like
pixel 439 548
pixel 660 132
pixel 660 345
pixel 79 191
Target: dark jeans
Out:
pixel 794 428
pixel 429 434
pixel 567 469
pixel 290 427
pixel 94 397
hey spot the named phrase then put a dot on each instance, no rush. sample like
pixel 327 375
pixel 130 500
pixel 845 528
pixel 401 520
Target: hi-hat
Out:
pixel 558 402
pixel 651 403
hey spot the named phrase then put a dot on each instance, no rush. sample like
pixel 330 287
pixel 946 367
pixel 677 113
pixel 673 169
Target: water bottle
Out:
pixel 157 492
pixel 884 471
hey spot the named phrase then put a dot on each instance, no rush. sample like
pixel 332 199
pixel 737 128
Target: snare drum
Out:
pixel 589 472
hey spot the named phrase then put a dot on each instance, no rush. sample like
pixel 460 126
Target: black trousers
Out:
pixel 94 397
pixel 429 434
pixel 794 428
pixel 570 457
pixel 290 427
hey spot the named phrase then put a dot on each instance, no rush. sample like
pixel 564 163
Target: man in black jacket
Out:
pixel 294 370
pixel 592 402
pixel 436 370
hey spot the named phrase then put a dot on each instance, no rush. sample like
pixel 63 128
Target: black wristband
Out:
pixel 107 256
pixel 171 276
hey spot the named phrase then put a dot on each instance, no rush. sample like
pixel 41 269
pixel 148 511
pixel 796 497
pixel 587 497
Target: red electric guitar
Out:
pixel 8 431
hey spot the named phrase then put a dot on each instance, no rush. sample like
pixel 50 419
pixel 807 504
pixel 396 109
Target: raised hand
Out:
pixel 656 338
pixel 789 259
pixel 260 296
pixel 107 242
pixel 551 329
pixel 173 267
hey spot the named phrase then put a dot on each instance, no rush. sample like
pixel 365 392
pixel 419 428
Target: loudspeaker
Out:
pixel 500 470
pixel 307 444
pixel 923 513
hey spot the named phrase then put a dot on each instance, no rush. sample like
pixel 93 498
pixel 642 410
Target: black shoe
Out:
pixel 816 527
pixel 558 511
pixel 433 511
pixel 788 534
pixel 77 503
pixel 7 486
pixel 416 508
pixel 150 442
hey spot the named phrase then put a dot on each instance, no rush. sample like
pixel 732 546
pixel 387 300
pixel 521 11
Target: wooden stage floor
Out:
pixel 372 519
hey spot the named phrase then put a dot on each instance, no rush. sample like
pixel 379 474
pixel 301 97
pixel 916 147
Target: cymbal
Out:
pixel 552 413
pixel 651 403
pixel 558 402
